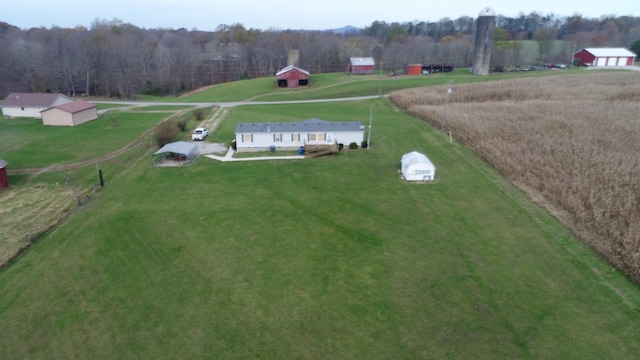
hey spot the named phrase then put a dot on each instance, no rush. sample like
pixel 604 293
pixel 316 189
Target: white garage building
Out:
pixel 417 167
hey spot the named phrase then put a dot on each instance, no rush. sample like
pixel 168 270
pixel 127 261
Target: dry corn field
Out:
pixel 571 140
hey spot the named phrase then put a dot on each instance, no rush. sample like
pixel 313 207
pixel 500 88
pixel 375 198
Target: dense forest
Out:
pixel 113 58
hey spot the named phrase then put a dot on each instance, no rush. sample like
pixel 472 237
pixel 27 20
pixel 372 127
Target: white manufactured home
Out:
pixel 293 135
pixel 30 105
pixel 417 167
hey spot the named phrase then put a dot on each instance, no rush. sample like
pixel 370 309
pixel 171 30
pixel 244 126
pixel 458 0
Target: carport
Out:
pixel 174 154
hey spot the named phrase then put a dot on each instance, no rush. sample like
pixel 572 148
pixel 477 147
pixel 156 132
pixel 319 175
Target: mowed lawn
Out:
pixel 329 258
pixel 26 143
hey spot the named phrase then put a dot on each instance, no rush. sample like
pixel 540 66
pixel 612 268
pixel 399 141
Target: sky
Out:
pixel 206 15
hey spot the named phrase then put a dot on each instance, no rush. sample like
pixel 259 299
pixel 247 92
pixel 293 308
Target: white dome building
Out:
pixel 417 167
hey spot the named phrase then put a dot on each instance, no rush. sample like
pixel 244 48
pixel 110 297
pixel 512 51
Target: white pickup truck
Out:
pixel 199 134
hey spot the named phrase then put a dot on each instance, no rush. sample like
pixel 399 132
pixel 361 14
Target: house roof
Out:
pixel 291 67
pixel 31 99
pixel 608 52
pixel 310 125
pixel 74 106
pixel 360 61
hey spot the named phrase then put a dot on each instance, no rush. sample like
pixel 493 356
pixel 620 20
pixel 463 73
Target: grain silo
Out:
pixel 484 36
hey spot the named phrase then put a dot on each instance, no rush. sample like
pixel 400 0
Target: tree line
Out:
pixel 113 58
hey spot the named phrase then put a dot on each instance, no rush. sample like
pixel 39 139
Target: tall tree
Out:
pixel 544 39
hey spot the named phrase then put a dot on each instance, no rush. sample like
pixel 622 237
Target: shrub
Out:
pixel 233 145
pixel 198 114
pixel 165 132
pixel 364 144
pixel 182 124
pixel 340 146
pixel 353 146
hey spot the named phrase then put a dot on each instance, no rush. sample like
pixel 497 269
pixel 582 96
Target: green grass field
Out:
pixel 28 144
pixel 316 259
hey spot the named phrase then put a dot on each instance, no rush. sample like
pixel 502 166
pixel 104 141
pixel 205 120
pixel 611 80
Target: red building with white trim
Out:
pixel 360 66
pixel 292 77
pixel 604 57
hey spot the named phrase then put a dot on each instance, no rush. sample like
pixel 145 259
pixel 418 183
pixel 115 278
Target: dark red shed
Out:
pixel 292 77
pixel 4 182
pixel 360 66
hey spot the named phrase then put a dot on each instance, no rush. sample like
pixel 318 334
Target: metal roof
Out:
pixel 291 67
pixel 33 99
pixel 74 106
pixel 179 147
pixel 609 52
pixel 359 61
pixel 310 125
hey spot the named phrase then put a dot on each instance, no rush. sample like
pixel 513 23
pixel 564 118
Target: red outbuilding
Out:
pixel 4 182
pixel 361 66
pixel 414 69
pixel 292 77
pixel 604 57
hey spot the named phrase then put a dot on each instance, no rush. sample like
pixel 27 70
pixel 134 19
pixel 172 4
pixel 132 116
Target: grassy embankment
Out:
pixel 325 258
pixel 52 169
pixel 577 150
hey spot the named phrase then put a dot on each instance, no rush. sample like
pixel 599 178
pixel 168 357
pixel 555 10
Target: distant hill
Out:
pixel 342 30
pixel 346 29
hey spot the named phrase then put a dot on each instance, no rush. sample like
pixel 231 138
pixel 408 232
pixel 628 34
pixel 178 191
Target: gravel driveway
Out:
pixel 205 147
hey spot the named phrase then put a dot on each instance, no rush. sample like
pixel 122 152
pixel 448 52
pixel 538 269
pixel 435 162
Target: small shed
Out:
pixel 176 153
pixel 70 114
pixel 292 77
pixel 414 69
pixel 604 57
pixel 360 66
pixel 4 181
pixel 417 167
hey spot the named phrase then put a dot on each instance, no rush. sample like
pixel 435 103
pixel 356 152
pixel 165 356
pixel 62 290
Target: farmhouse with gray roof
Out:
pixel 30 104
pixel 292 135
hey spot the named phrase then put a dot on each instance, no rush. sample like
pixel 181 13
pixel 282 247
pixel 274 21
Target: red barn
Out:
pixel 292 77
pixel 360 66
pixel 604 57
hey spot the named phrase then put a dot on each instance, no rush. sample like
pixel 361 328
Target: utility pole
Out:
pixel 370 118
pixel 380 80
pixel 446 102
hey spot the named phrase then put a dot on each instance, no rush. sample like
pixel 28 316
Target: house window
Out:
pixel 247 138
pixel 22 108
pixel 423 172
pixel 295 137
pixel 277 137
pixel 316 137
